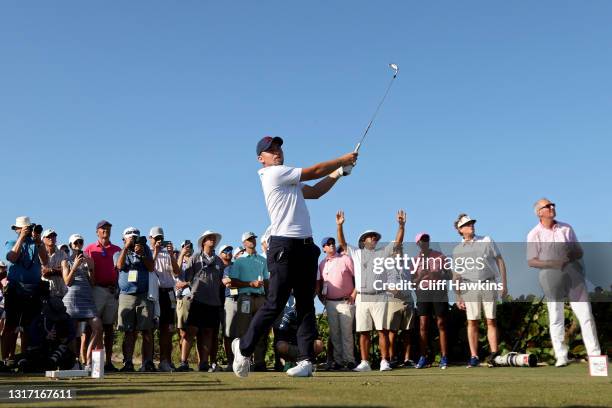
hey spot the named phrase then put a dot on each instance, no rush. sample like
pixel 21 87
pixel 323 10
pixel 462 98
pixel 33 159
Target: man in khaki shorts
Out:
pixel 371 303
pixel 491 269
pixel 105 286
pixel 182 302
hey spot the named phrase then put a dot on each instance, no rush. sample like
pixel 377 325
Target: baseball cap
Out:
pixel 265 143
pixel 131 232
pixel 75 237
pixel 236 250
pixel 325 240
pixel 225 248
pixel 248 235
pixel 102 223
pixel 156 232
pixel 21 222
pixel 465 220
pixel 420 235
pixel 2 264
pixel 48 232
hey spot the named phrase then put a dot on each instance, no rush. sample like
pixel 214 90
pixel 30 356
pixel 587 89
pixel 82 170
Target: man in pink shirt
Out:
pixel 336 289
pixel 105 285
pixel 553 248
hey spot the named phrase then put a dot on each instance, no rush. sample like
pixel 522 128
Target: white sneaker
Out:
pixel 385 366
pixel 165 367
pixel 302 369
pixel 562 362
pixel 363 367
pixel 241 364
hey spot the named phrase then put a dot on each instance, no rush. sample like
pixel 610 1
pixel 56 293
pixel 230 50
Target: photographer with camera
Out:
pixel 166 267
pixel 136 311
pixel 27 256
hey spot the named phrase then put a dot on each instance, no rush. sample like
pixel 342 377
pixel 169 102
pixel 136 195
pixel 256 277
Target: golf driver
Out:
pixel 346 170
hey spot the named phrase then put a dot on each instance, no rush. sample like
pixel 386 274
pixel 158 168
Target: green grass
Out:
pixel 455 387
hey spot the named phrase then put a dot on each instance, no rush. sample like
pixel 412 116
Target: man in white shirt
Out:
pixel 371 303
pixel 552 247
pixel 478 260
pixel 292 256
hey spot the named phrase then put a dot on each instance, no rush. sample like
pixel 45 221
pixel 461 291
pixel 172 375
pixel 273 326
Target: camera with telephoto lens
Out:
pixel 516 360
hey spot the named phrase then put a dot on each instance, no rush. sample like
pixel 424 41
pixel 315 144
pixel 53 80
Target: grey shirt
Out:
pixel 204 275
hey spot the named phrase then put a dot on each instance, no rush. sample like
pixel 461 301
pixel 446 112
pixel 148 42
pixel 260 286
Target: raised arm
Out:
pixel 401 221
pixel 340 230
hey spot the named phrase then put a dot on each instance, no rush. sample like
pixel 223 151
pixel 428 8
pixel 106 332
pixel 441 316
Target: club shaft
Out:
pixel 365 133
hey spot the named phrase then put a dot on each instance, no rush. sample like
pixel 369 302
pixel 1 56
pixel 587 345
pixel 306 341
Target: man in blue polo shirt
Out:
pixel 250 275
pixel 26 256
pixel 135 263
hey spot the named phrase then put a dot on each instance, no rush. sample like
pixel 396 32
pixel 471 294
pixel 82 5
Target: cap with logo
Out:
pixel 265 143
pixel 465 220
pixel 48 232
pixel 131 232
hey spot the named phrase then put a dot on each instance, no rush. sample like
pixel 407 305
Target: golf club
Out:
pixel 346 170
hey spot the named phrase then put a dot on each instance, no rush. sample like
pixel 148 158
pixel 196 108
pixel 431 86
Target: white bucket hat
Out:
pixel 21 222
pixel 366 233
pixel 465 220
pixel 207 233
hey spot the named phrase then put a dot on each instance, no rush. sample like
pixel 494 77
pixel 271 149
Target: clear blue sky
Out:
pixel 147 113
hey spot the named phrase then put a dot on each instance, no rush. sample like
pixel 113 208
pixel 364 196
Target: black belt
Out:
pixel 339 299
pixel 305 241
pixel 166 289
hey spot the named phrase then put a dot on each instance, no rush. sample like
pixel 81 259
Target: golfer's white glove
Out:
pixel 345 170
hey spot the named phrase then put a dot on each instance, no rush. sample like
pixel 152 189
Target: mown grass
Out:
pixel 455 387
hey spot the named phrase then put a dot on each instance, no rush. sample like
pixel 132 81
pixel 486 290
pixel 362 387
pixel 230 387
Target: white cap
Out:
pixel 224 247
pixel 2 264
pixel 248 235
pixel 75 237
pixel 236 250
pixel 21 222
pixel 207 233
pixel 131 232
pixel 464 220
pixel 48 232
pixel 156 232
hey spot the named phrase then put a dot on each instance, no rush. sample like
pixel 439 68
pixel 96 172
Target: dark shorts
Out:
pixel 21 310
pixel 166 312
pixel 204 316
pixel 433 302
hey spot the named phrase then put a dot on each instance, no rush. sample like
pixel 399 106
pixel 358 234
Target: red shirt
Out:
pixel 105 272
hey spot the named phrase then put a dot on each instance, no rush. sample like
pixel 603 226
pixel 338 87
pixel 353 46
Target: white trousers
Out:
pixel 556 317
pixel 340 317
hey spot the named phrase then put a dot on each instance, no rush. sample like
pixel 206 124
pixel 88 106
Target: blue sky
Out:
pixel 147 113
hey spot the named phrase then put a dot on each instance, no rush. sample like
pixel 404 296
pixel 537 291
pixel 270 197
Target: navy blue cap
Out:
pixel 265 143
pixel 103 223
pixel 325 240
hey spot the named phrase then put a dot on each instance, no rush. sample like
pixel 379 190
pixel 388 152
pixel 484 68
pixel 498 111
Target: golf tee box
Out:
pixel 598 366
pixel 97 363
pixel 67 373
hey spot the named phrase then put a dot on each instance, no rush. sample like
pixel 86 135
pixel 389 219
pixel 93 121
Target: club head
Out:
pixel 395 69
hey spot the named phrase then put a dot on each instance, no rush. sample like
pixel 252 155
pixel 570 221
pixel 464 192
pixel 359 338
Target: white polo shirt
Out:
pixel 282 190
pixel 363 261
pixel 485 250
pixel 548 244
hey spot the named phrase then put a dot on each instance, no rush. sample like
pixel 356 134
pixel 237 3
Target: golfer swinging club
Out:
pixel 292 254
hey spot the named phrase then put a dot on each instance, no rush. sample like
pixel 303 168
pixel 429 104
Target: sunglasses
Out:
pixel 550 206
pixel 228 250
pixel 330 243
pixel 78 242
